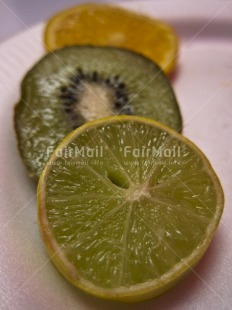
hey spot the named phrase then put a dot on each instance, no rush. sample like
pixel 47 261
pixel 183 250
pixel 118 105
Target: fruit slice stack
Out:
pixel 126 206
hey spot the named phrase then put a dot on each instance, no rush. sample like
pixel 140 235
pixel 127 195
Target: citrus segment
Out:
pixel 122 222
pixel 104 25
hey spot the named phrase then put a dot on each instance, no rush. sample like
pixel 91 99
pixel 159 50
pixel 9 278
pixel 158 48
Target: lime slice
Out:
pixel 105 25
pixel 127 207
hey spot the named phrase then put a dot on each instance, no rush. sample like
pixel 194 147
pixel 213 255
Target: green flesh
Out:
pixel 40 118
pixel 127 220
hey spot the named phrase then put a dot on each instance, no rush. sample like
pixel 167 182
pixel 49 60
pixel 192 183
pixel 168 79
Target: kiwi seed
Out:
pixel 72 92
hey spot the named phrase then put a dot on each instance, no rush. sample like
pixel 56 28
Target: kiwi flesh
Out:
pixel 77 84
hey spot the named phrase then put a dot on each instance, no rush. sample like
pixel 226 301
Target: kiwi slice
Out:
pixel 77 84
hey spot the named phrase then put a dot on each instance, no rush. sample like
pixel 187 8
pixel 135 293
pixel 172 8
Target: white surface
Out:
pixel 203 84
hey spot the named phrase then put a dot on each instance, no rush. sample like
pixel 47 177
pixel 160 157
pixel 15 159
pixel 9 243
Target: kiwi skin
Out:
pixel 29 111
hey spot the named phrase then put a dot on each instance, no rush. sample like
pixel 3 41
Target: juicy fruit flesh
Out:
pixel 132 220
pixel 103 25
pixel 41 121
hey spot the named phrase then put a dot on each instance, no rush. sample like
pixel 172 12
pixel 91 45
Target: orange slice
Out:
pixel 104 25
